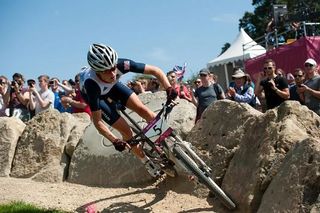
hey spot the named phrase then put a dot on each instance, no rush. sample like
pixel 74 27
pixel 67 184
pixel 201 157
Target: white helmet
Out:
pixel 101 57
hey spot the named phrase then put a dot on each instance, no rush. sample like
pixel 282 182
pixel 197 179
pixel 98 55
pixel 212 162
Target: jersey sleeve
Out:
pixel 127 65
pixel 92 95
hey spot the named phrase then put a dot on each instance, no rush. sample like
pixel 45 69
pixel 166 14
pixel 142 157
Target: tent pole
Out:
pixel 226 74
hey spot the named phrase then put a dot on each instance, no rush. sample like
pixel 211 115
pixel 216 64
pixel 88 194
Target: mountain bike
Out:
pixel 165 148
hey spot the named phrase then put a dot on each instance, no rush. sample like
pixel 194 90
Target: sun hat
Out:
pixel 311 61
pixel 238 74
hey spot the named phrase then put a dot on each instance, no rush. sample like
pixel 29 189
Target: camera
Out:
pixel 51 82
pixel 31 82
pixel 13 83
pixel 71 82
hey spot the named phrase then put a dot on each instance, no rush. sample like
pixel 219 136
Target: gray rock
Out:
pixel 96 162
pixel 10 131
pixel 40 152
pixel 246 148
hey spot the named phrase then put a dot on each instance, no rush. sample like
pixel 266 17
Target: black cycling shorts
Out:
pixel 118 93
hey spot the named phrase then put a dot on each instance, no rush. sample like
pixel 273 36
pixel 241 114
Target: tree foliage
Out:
pixel 225 47
pixel 255 22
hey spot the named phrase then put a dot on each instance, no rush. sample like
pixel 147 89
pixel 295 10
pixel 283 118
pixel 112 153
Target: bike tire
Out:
pixel 203 178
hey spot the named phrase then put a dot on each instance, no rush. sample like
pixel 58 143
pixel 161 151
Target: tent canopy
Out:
pixel 242 48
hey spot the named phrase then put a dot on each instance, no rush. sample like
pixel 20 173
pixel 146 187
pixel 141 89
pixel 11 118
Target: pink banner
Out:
pixel 287 57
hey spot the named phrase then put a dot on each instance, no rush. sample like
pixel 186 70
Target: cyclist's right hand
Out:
pixel 120 145
pixel 171 94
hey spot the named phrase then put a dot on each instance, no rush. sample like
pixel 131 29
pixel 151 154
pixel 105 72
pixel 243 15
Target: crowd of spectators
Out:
pixel 25 101
pixel 272 87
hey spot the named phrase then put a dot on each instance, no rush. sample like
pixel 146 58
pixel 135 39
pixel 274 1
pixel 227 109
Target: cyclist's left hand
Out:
pixel 171 94
pixel 120 145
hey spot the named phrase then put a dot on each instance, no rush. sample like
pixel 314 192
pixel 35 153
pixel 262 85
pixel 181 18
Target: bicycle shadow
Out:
pixel 179 185
pixel 127 206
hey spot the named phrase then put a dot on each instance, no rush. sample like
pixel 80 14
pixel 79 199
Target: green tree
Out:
pixel 255 23
pixel 225 47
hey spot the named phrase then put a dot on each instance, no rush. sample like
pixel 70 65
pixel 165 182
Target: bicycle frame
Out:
pixel 172 150
pixel 172 139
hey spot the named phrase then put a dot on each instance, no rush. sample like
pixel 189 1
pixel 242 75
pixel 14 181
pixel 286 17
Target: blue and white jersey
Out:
pixel 93 89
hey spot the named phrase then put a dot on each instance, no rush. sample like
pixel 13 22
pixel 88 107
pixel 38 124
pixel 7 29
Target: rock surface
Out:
pixel 266 162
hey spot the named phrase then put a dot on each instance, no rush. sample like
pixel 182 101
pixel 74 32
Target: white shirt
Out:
pixel 46 95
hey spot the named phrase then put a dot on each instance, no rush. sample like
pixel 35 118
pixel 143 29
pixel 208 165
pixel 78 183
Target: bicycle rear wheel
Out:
pixel 202 177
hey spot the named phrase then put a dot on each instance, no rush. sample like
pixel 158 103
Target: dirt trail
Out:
pixel 164 196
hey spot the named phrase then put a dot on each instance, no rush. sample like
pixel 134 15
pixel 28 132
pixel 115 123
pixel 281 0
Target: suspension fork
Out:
pixel 187 147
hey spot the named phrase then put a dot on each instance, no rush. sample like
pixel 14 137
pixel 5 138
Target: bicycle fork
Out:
pixel 187 147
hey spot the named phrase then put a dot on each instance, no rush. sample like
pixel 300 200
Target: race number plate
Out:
pixel 157 130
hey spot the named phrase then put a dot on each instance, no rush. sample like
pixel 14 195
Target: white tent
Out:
pixel 242 48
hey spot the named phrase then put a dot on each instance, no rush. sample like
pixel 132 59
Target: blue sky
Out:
pixel 53 37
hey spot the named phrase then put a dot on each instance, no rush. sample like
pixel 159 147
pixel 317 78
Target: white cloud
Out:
pixel 226 18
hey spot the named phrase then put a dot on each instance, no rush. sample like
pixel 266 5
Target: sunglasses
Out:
pixel 308 65
pixel 111 69
pixel 203 75
pixel 267 68
pixel 298 76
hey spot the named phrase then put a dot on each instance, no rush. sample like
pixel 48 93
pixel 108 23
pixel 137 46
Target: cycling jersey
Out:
pixel 95 91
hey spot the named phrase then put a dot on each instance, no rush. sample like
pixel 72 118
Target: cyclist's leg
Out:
pixel 135 104
pixel 129 99
pixel 112 117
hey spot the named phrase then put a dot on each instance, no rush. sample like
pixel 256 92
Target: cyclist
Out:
pixel 99 84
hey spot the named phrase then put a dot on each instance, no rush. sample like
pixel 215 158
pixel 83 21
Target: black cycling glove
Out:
pixel 119 145
pixel 171 94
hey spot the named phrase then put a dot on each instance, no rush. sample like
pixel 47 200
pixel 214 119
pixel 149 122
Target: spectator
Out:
pixel 311 87
pixel 54 84
pixel 182 90
pixel 18 98
pixel 299 79
pixel 3 91
pixel 206 94
pixel 43 99
pixel 153 85
pixel 291 80
pixel 275 87
pixel 138 86
pixel 280 72
pixel 76 103
pixel 241 91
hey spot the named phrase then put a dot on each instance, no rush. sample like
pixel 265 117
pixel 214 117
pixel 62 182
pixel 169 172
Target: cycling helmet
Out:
pixel 101 57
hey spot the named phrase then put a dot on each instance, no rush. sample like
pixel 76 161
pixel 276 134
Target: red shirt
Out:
pixel 81 100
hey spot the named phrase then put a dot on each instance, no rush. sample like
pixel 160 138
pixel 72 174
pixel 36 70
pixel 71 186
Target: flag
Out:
pixel 179 71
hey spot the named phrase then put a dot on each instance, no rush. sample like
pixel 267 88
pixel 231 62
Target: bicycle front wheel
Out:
pixel 203 177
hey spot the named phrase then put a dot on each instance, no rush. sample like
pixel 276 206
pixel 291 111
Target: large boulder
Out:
pixel 296 187
pixel 41 151
pixel 96 162
pixel 248 150
pixel 10 131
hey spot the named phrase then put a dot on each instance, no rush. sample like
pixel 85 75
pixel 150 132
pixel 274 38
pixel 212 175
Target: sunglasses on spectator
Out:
pixel 308 65
pixel 298 76
pixel 267 68
pixel 203 75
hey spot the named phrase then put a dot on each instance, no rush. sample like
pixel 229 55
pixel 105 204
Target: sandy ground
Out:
pixel 162 196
